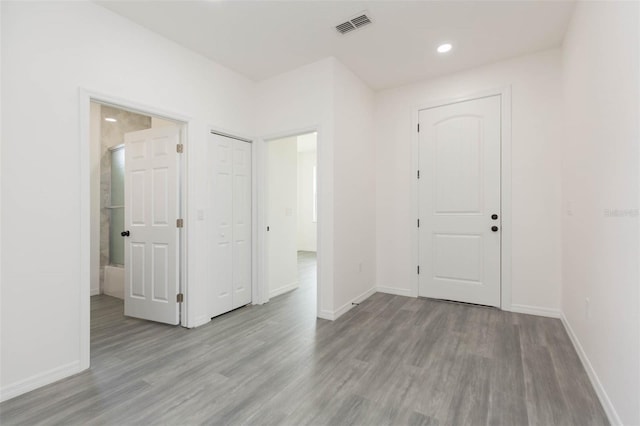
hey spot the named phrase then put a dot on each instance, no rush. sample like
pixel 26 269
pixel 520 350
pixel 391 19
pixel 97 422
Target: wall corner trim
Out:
pixel 39 380
pixel 608 407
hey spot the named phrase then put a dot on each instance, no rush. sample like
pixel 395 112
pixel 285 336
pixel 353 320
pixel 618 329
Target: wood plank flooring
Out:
pixel 391 360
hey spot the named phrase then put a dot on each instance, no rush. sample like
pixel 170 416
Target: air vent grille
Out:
pixel 357 22
pixel 361 21
pixel 345 27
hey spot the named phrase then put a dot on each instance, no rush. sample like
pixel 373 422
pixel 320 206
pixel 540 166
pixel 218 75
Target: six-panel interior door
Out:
pixel 459 192
pixel 230 198
pixel 151 211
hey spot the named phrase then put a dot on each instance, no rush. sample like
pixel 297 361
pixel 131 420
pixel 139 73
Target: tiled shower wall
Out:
pixel 112 134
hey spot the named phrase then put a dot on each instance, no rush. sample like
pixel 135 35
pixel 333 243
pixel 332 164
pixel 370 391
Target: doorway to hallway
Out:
pixel 292 216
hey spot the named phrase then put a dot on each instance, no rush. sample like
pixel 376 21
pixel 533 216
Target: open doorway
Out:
pixel 292 218
pixel 135 213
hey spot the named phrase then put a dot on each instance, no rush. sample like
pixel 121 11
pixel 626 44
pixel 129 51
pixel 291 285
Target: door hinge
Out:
pixel 418 223
pixel 418 269
pixel 418 174
pixel 179 298
pixel 418 127
pixel 180 148
pixel 179 223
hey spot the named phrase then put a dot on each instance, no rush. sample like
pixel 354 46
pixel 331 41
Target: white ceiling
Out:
pixel 261 39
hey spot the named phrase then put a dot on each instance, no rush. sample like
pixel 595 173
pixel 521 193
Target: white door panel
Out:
pixel 151 211
pixel 230 210
pixel 459 191
pixel 241 223
pixel 221 197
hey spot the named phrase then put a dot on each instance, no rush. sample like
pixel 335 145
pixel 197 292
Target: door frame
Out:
pixel 261 187
pixel 87 96
pixel 505 183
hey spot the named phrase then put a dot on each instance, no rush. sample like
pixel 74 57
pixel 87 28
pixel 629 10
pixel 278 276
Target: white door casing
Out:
pixel 151 212
pixel 230 207
pixel 459 191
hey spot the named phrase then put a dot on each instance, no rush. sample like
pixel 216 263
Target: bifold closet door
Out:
pixel 229 199
pixel 241 223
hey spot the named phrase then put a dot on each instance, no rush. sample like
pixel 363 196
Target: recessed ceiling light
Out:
pixel 444 48
pixel 110 120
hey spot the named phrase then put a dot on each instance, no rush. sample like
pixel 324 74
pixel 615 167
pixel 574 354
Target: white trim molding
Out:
pixel 396 291
pixel 284 289
pixel 85 97
pixel 505 178
pixel 334 315
pixel 535 310
pixel 324 231
pixel 607 405
pixel 39 380
pixel 199 321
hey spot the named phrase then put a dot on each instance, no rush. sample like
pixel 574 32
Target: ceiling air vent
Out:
pixel 358 21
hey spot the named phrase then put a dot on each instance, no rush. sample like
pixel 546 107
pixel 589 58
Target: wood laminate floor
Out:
pixel 390 360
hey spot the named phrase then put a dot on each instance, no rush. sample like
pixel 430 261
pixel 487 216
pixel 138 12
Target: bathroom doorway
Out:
pixel 135 212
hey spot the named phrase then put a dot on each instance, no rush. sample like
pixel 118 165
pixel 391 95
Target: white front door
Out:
pixel 459 202
pixel 151 211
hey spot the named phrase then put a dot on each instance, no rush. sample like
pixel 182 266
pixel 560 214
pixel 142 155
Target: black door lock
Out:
pixel 494 228
pixel 494 216
pixel 125 233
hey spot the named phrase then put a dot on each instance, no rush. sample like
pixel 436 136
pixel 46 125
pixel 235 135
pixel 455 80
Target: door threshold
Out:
pixel 457 302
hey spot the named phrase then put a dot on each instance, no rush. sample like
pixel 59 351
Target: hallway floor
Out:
pixel 390 360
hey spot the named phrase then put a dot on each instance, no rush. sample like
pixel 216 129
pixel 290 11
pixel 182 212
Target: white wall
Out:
pixel 326 96
pixel 282 215
pixel 292 103
pixel 307 228
pixel 354 190
pixel 601 197
pixel 536 193
pixel 44 64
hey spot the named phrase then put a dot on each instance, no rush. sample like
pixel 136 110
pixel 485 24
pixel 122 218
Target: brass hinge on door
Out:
pixel 180 223
pixel 179 298
pixel 418 127
pixel 418 269
pixel 180 148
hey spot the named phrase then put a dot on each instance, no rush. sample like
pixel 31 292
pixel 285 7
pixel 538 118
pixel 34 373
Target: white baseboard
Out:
pixel 611 412
pixel 94 291
pixel 282 290
pixel 397 291
pixel 201 320
pixel 334 315
pixel 39 380
pixel 327 315
pixel 535 310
